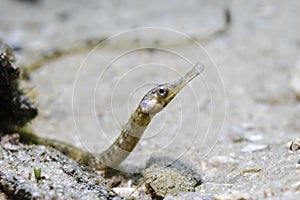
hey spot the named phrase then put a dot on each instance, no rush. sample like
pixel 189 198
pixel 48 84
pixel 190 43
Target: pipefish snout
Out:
pixel 152 103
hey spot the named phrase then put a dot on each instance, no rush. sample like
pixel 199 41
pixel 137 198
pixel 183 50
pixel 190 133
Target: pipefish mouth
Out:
pixel 152 103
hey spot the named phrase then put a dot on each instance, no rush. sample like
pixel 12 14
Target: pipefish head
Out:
pixel 159 97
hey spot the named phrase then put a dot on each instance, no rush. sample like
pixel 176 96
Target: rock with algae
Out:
pixel 16 109
pixel 59 177
pixel 164 176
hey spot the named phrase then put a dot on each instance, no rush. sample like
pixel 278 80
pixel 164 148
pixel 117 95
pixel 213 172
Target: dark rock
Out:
pixel 16 109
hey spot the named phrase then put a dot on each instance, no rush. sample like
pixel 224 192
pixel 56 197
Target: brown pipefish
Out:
pixel 152 103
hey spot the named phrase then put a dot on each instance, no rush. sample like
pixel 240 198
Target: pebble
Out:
pixel 244 132
pixel 242 196
pixel 254 147
pixel 296 185
pixel 164 176
pixel 125 191
pixel 295 80
pixel 277 184
pixel 295 144
pixel 218 160
pixel 253 137
pixel 236 133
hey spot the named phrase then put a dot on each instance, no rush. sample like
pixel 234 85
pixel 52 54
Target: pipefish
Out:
pixel 152 103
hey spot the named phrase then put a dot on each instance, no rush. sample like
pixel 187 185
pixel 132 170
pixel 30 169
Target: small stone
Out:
pixel 253 137
pixel 277 184
pixel 295 144
pixel 10 138
pixel 10 141
pixel 218 160
pixel 164 176
pixel 296 185
pixel 254 147
pixel 242 196
pixel 236 133
pixel 125 191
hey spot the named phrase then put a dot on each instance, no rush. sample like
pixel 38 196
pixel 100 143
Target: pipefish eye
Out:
pixel 162 91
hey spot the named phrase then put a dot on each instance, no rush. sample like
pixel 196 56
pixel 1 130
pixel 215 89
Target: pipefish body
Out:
pixel 152 103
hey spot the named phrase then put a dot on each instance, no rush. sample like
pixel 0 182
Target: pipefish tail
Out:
pixel 152 103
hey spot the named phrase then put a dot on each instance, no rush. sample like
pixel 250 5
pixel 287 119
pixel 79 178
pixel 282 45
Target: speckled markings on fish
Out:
pixel 152 103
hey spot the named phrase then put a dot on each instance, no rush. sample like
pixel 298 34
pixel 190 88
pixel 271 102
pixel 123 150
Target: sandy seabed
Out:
pixel 251 85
